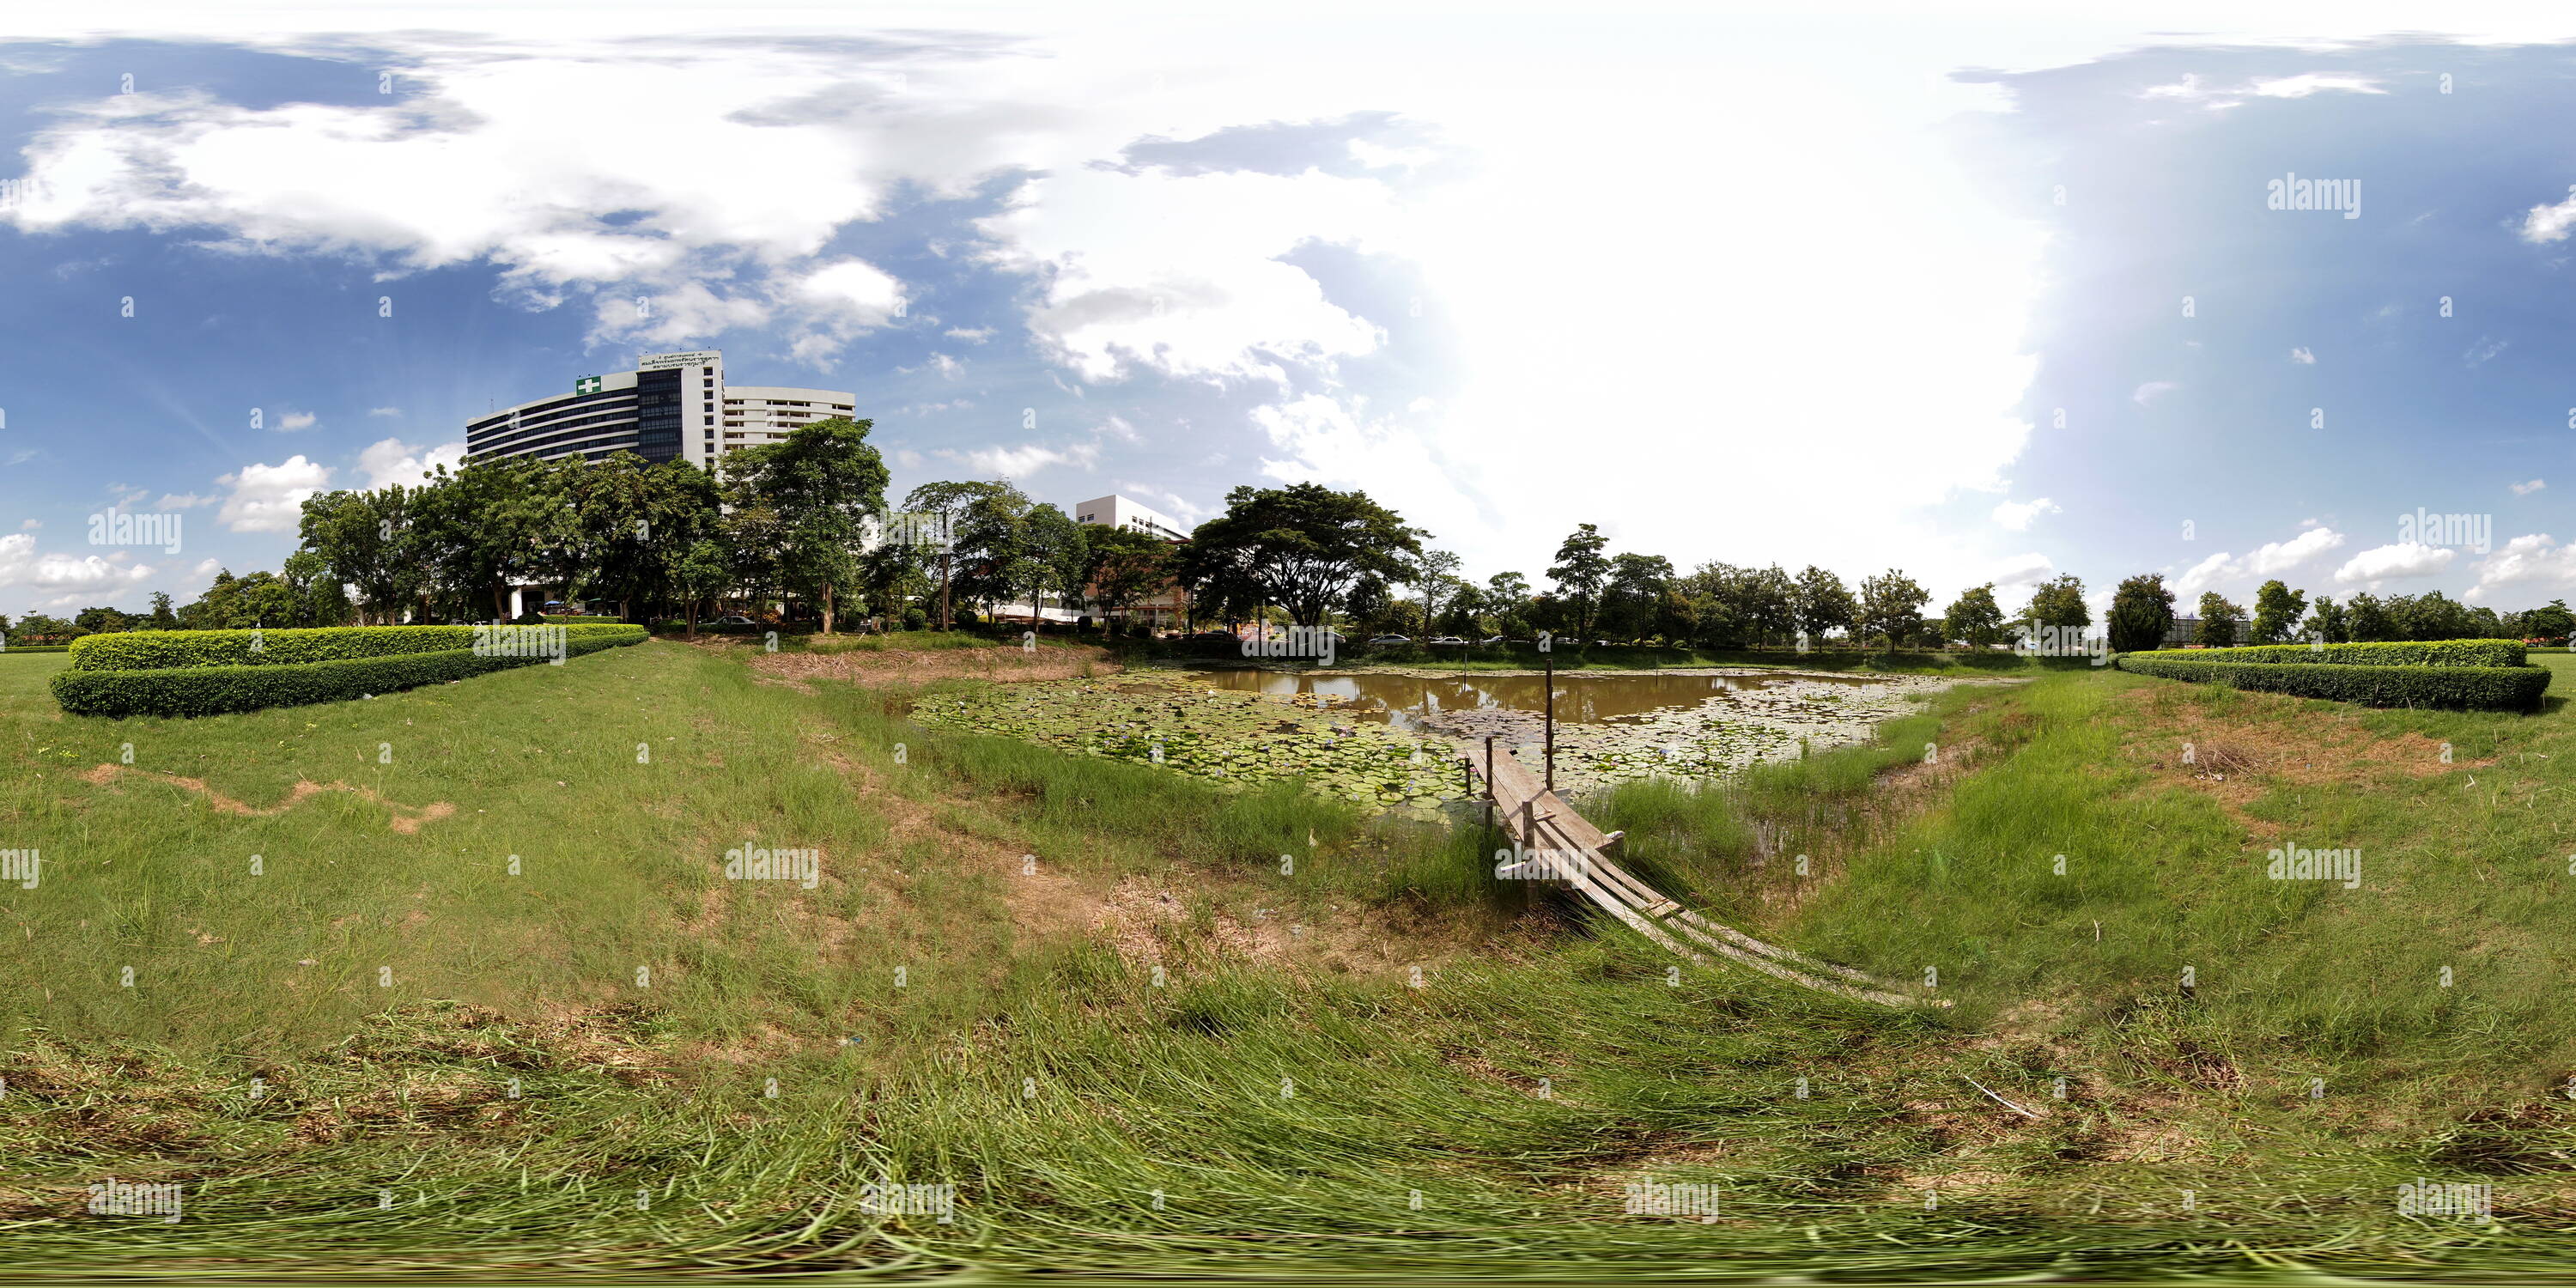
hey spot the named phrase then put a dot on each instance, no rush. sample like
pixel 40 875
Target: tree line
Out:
pixel 805 523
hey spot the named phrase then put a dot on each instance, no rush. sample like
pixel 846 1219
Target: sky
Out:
pixel 1981 292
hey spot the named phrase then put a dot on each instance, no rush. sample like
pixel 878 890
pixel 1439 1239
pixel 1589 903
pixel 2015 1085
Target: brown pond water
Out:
pixel 1581 697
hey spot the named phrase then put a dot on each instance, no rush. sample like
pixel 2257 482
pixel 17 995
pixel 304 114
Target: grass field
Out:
pixel 1087 995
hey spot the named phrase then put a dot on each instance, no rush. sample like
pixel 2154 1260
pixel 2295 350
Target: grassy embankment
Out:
pixel 1281 1082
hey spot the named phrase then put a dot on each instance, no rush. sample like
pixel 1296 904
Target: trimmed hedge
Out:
pixel 2475 688
pixel 2417 653
pixel 167 650
pixel 37 648
pixel 209 690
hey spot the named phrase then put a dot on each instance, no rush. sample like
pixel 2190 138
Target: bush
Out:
pixel 2419 653
pixel 168 650
pixel 210 690
pixel 2475 688
pixel 914 619
pixel 37 648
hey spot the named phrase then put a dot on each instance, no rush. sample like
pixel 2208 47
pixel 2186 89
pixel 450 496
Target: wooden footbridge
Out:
pixel 1560 845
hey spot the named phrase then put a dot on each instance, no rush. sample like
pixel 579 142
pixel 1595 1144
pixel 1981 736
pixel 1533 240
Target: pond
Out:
pixel 1416 701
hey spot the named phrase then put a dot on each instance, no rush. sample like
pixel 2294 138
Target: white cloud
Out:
pixel 384 411
pixel 969 334
pixel 2536 565
pixel 390 460
pixel 2020 571
pixel 2147 394
pixel 2303 356
pixel 2017 515
pixel 2314 83
pixel 2526 489
pixel 289 422
pixel 270 498
pixel 2204 575
pixel 948 366
pixel 2546 224
pixel 1020 462
pixel 182 501
pixel 2402 560
pixel 21 565
pixel 30 525
pixel 2224 571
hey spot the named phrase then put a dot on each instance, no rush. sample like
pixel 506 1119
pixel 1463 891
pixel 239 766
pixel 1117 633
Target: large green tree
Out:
pixel 821 487
pixel 1580 572
pixel 1891 608
pixel 1301 547
pixel 1974 617
pixel 2141 613
pixel 1824 603
pixel 1125 566
pixel 2218 619
pixel 2057 602
pixel 2276 612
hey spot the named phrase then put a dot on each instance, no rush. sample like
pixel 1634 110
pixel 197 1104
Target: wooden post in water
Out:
pixel 1551 721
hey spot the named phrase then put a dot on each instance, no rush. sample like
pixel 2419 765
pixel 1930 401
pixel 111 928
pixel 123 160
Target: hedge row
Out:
pixel 208 690
pixel 2476 688
pixel 166 650
pixel 37 648
pixel 2417 653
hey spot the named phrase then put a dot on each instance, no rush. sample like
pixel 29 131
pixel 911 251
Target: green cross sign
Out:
pixel 586 385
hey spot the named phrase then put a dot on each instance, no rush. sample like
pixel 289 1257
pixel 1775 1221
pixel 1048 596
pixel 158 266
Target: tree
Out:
pixel 1974 618
pixel 2550 621
pixel 1060 550
pixel 1891 608
pixel 163 619
pixel 936 509
pixel 627 523
pixel 102 621
pixel 1302 547
pixel 2141 613
pixel 1124 565
pixel 37 628
pixel 1579 572
pixel 2276 612
pixel 1631 601
pixel 1824 603
pixel 1507 602
pixel 1434 574
pixel 702 571
pixel 822 487
pixel 2057 602
pixel 483 526
pixel 2218 619
pixel 2327 621
pixel 2369 619
pixel 366 540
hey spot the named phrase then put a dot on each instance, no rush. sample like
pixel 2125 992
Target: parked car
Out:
pixel 733 619
pixel 1390 639
pixel 1446 639
pixel 1494 639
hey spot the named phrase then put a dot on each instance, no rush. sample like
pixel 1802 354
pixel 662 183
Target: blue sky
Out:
pixel 1735 285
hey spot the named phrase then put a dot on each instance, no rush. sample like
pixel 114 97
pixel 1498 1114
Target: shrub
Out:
pixel 209 690
pixel 2476 688
pixel 37 648
pixel 914 619
pixel 167 650
pixel 2419 653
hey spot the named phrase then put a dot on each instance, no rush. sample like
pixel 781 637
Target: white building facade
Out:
pixel 673 406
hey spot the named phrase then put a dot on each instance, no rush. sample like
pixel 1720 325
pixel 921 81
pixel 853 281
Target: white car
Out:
pixel 1390 639
pixel 1445 639
pixel 733 619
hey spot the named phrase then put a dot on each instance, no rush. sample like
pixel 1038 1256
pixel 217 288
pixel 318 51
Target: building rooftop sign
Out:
pixel 659 361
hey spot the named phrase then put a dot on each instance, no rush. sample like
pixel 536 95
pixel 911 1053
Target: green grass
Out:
pixel 1543 1062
